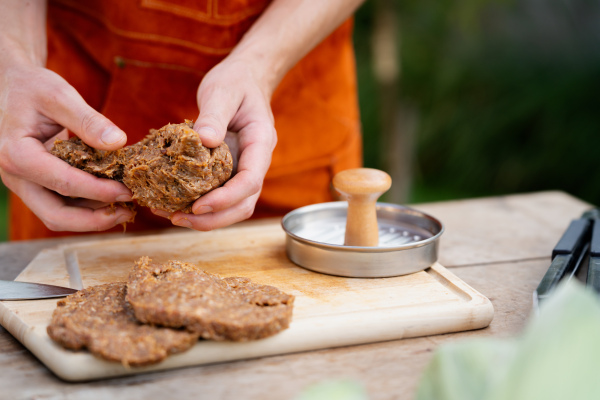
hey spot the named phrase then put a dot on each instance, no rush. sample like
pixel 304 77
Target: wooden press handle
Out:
pixel 362 187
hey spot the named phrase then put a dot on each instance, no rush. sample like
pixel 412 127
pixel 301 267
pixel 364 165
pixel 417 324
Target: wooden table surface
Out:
pixel 499 245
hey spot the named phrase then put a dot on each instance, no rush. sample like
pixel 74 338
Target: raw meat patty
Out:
pixel 179 294
pixel 168 170
pixel 100 319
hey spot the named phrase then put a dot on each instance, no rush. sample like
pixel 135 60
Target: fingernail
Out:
pixel 207 131
pixel 112 135
pixel 124 218
pixel 161 213
pixel 183 222
pixel 124 198
pixel 202 210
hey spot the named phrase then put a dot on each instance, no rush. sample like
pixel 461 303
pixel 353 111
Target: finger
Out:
pixel 31 161
pixel 64 105
pixel 233 142
pixel 217 108
pixel 161 213
pixel 59 216
pixel 236 190
pixel 256 141
pixel 62 135
pixel 85 203
pixel 211 221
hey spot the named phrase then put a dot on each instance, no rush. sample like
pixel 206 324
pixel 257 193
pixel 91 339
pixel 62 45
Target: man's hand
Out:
pixel 232 98
pixel 36 105
pixel 236 94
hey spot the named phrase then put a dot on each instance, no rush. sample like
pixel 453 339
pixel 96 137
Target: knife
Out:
pixel 567 256
pixel 593 277
pixel 14 290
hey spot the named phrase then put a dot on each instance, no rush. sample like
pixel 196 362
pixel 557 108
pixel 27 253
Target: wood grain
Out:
pixel 329 311
pixel 499 245
pixel 388 370
pixel 504 228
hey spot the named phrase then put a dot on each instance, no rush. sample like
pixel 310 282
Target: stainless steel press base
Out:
pixel 408 241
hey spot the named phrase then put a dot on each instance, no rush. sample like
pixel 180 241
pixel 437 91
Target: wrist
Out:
pixel 266 68
pixel 14 52
pixel 23 34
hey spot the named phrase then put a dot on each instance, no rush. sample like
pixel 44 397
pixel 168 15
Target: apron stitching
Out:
pixel 239 16
pixel 211 15
pixel 179 10
pixel 147 36
pixel 121 62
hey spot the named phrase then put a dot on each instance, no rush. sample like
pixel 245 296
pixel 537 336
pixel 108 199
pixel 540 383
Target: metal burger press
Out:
pixel 361 238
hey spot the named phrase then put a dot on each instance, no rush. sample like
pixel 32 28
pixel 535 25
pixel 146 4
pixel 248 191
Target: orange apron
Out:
pixel 140 63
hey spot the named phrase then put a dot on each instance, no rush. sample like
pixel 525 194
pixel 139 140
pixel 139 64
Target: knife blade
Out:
pixel 15 290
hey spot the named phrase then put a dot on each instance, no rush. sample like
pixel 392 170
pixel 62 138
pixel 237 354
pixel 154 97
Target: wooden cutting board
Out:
pixel 329 311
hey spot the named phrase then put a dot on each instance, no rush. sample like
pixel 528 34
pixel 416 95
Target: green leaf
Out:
pixel 557 357
pixel 334 390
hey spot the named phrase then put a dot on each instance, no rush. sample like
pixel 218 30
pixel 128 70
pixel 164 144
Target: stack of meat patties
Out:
pixel 164 309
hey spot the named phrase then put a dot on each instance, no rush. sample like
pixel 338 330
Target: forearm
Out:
pixel 286 32
pixel 23 32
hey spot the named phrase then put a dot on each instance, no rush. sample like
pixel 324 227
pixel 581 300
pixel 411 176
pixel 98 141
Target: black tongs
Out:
pixel 578 246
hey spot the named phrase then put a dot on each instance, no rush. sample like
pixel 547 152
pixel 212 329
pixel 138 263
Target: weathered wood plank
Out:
pixel 481 233
pixel 387 370
pixel 328 310
pixel 505 228
pixel 486 230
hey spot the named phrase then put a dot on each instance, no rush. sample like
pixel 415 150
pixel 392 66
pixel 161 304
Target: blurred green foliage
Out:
pixel 368 90
pixel 554 358
pixel 505 92
pixel 337 389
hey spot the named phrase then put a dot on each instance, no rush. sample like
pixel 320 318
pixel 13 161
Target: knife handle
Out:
pixel 595 241
pixel 559 266
pixel 574 238
pixel 592 214
pixel 593 276
pixel 566 256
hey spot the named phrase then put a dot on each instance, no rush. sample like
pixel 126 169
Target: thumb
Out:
pixel 215 114
pixel 70 110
